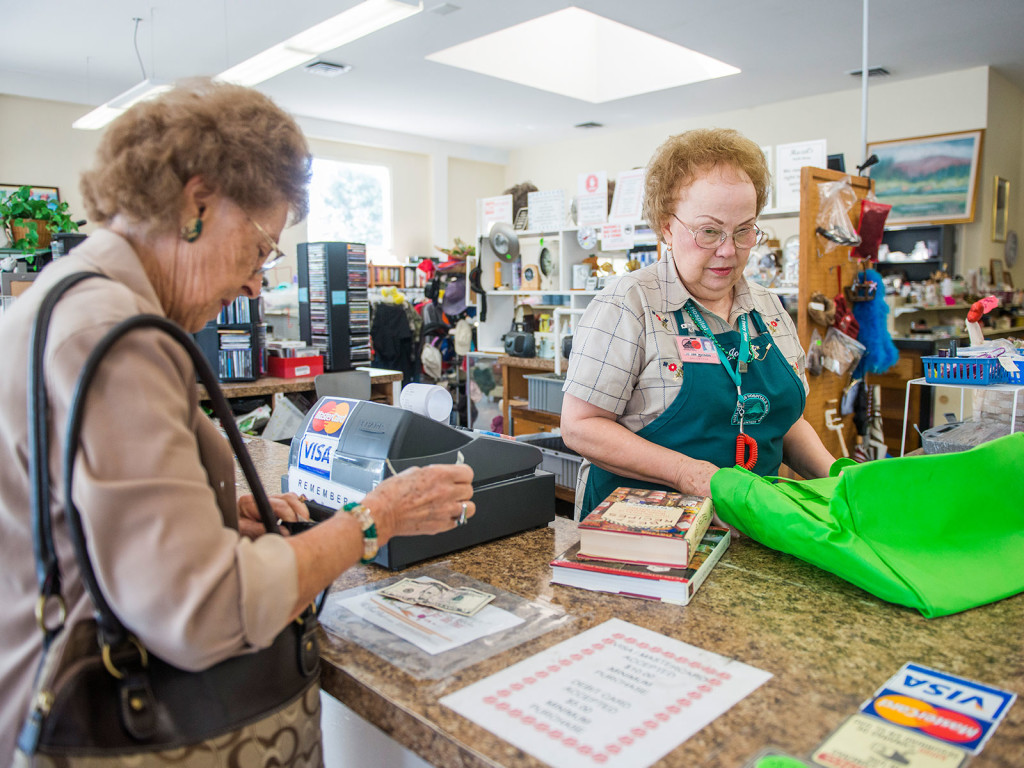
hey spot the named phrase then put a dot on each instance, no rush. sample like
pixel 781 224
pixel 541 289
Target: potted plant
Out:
pixel 29 222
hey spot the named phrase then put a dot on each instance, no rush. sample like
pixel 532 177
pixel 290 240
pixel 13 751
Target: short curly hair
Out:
pixel 681 158
pixel 236 139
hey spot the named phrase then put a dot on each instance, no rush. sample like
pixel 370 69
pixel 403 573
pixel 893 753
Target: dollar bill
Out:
pixel 432 593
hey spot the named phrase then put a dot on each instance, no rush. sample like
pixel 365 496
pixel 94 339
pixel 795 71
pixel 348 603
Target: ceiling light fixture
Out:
pixel 577 53
pixel 327 69
pixel 358 21
pixel 104 113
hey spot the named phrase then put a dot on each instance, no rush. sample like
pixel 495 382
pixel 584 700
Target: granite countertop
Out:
pixel 828 645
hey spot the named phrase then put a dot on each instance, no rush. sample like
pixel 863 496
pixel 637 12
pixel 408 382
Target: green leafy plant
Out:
pixel 20 209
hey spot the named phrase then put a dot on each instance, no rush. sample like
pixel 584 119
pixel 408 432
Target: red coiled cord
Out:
pixel 743 441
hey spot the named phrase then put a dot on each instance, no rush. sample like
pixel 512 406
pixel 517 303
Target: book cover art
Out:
pixel 647 512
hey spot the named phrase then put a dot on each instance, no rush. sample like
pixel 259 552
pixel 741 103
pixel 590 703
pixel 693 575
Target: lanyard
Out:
pixel 743 441
pixel 744 355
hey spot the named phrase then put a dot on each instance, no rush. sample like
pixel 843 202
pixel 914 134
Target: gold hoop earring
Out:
pixel 191 232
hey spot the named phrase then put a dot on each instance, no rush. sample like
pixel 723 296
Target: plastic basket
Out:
pixel 1017 377
pixel 560 461
pixel 962 370
pixel 544 392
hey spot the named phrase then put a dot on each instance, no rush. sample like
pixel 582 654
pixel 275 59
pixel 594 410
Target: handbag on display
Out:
pixel 100 698
pixel 519 342
pixel 940 533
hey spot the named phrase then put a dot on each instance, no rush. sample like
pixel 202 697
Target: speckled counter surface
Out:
pixel 828 645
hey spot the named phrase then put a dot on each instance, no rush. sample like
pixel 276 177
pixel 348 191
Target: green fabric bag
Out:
pixel 939 533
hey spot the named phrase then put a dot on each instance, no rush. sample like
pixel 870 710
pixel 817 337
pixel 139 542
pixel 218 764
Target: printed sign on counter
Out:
pixel 863 742
pixel 616 695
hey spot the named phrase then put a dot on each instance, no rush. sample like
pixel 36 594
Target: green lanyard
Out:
pixel 744 355
pixel 743 441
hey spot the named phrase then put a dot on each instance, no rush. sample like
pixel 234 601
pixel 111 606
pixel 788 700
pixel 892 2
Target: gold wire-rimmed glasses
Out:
pixel 275 253
pixel 713 237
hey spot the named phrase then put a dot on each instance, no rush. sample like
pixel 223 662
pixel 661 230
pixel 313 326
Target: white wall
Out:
pixel 39 147
pixel 469 180
pixel 955 101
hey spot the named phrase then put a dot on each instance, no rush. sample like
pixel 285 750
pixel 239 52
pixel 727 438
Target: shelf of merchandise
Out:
pixel 1016 389
pixel 555 288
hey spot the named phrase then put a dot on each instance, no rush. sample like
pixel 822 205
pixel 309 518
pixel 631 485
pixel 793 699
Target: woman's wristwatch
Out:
pixel 370 545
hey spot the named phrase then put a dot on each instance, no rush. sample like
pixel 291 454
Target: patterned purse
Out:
pixel 100 698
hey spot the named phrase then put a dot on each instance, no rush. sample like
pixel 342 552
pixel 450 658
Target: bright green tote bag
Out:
pixel 939 533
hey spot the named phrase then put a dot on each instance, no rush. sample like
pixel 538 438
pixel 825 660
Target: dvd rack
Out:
pixel 235 343
pixel 334 307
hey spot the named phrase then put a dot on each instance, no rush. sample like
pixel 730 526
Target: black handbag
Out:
pixel 519 343
pixel 99 695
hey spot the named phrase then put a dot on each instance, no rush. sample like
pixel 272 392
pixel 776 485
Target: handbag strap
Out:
pixel 112 631
pixel 47 566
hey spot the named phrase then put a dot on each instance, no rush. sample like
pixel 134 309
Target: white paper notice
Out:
pixel 432 630
pixel 546 210
pixel 628 200
pixel 617 237
pixel 616 695
pixel 494 209
pixel 789 159
pixel 592 198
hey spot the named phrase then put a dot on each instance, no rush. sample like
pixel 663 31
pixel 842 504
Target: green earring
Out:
pixel 191 232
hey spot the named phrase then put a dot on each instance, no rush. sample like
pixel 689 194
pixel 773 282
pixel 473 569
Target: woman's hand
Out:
pixel 694 476
pixel 286 506
pixel 422 500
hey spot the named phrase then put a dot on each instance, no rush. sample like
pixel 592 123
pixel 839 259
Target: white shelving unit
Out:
pixel 1015 388
pixel 555 289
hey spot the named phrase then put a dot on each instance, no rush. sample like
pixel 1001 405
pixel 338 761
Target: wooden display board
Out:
pixel 827 273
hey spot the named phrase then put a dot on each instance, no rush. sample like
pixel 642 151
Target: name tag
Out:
pixel 696 349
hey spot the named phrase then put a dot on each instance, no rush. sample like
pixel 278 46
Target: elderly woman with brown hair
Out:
pixel 683 367
pixel 191 192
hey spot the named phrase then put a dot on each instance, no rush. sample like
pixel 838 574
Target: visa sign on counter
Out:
pixel 954 710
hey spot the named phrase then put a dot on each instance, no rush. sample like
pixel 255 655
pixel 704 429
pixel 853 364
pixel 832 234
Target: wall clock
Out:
pixel 586 237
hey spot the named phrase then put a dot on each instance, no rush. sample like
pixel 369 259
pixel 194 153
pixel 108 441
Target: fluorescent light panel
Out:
pixel 104 113
pixel 358 21
pixel 579 54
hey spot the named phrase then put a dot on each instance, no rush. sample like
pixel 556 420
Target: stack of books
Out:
pixel 643 543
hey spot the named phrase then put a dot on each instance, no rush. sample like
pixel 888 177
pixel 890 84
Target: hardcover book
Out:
pixel 654 582
pixel 637 525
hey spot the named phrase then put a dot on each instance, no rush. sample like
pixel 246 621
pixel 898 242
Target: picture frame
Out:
pixel 1000 208
pixel 928 179
pixel 995 270
pixel 40 193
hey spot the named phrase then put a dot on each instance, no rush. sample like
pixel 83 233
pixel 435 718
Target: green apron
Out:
pixel 703 421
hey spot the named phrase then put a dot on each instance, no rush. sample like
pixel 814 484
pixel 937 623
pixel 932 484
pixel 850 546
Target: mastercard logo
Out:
pixel 330 417
pixel 942 723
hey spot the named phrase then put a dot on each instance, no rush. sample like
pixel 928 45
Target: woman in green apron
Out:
pixel 683 367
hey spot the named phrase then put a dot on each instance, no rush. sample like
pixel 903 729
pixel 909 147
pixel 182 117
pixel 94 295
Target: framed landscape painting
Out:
pixel 928 179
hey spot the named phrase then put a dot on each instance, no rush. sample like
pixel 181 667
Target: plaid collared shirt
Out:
pixel 628 332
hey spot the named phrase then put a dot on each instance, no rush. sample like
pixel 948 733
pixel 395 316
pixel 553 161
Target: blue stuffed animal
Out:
pixel 874 334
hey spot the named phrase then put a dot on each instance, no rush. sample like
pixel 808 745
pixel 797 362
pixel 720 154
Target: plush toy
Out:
pixel 881 352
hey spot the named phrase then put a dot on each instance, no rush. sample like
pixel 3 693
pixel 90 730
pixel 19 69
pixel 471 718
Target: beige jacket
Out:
pixel 154 482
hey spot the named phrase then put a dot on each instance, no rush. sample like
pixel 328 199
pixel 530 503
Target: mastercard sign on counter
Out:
pixel 954 710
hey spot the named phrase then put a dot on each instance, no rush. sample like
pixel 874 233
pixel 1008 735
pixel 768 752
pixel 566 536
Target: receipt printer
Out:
pixel 346 447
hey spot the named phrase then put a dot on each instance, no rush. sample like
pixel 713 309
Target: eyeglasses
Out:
pixel 275 253
pixel 713 237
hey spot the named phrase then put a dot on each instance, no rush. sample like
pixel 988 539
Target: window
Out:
pixel 351 202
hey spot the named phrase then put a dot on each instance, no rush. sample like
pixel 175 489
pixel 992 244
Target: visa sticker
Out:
pixel 323 432
pixel 696 349
pixel 953 709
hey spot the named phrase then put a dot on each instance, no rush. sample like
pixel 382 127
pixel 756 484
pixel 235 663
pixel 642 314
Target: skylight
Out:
pixel 576 53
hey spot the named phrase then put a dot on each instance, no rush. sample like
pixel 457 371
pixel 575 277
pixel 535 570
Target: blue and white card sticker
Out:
pixel 952 709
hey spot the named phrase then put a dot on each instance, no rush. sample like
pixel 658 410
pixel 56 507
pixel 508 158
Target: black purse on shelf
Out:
pixel 100 699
